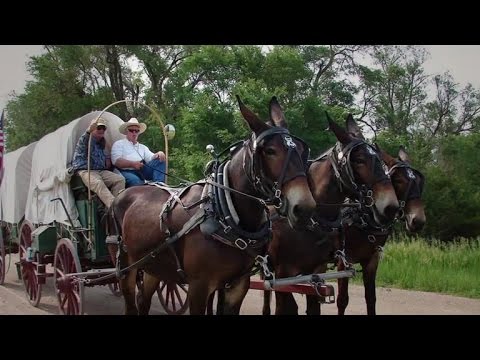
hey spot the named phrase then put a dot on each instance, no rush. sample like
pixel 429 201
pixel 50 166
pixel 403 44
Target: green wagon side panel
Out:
pixel 44 239
pixel 99 250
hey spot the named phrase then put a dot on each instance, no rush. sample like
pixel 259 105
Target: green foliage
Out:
pixel 452 193
pixel 415 263
pixel 193 87
pixel 59 95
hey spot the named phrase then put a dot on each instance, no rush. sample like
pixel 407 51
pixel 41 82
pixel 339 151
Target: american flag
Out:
pixel 2 146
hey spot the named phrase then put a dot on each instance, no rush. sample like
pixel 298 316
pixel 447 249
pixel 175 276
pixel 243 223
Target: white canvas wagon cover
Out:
pixel 15 184
pixel 50 178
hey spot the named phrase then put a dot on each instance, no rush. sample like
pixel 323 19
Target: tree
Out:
pixel 393 93
pixel 452 192
pixel 452 111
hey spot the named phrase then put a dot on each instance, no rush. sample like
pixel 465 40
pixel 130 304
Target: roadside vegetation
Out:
pixel 431 265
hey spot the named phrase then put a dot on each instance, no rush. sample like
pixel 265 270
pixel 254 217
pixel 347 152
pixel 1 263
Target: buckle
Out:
pixel 241 244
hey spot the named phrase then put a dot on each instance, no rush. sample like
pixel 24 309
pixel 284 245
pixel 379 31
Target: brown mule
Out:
pixel 352 168
pixel 364 245
pixel 267 166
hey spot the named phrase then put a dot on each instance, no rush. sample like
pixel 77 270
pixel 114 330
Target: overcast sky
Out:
pixel 463 62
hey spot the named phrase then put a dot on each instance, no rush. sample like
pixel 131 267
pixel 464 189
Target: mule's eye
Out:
pixel 397 180
pixel 359 160
pixel 269 151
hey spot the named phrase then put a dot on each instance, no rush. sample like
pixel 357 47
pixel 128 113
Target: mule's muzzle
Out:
pixel 391 211
pixel 413 223
pixel 387 216
pixel 302 212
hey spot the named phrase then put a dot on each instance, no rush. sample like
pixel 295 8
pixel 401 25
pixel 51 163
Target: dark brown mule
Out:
pixel 364 245
pixel 352 168
pixel 269 162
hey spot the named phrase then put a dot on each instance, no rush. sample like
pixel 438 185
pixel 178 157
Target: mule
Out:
pixel 365 245
pixel 353 169
pixel 204 235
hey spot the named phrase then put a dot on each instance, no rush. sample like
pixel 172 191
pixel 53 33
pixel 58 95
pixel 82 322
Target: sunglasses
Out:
pixel 101 127
pixel 134 130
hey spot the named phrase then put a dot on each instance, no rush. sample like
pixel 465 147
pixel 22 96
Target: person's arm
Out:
pixel 120 162
pixel 80 154
pixel 108 160
pixel 147 154
pixel 160 155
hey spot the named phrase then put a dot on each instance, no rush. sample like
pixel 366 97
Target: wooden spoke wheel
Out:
pixel 115 288
pixel 2 259
pixel 69 290
pixel 28 269
pixel 173 297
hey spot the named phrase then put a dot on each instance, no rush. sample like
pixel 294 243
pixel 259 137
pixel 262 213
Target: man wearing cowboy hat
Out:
pixel 106 184
pixel 135 161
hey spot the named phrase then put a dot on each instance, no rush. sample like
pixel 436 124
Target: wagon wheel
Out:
pixel 115 288
pixel 28 269
pixel 2 259
pixel 69 291
pixel 173 297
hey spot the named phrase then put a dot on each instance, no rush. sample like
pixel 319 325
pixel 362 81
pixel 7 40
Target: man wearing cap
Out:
pixel 135 161
pixel 106 184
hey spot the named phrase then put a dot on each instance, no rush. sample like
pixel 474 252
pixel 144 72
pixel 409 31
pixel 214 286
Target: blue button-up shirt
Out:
pixel 97 154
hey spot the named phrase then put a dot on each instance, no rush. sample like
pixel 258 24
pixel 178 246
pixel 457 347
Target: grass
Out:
pixel 417 264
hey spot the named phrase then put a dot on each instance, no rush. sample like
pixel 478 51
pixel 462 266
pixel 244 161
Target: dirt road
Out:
pixel 100 301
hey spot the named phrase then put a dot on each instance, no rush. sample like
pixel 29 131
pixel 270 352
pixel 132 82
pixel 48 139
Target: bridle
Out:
pixel 412 192
pixel 252 164
pixel 340 159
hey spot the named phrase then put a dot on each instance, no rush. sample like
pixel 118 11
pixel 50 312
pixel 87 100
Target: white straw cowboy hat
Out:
pixel 95 123
pixel 132 122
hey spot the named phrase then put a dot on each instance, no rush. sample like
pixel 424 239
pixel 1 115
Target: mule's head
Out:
pixel 408 184
pixel 363 172
pixel 276 165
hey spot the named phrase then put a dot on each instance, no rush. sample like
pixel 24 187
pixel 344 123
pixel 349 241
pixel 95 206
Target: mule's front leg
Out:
pixel 313 305
pixel 369 276
pixel 198 294
pixel 128 285
pixel 234 296
pixel 342 297
pixel 144 298
pixel 267 297
pixel 285 304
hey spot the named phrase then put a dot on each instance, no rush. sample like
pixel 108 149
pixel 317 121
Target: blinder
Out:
pixel 255 171
pixel 305 153
pixel 416 180
pixel 343 161
pixel 287 141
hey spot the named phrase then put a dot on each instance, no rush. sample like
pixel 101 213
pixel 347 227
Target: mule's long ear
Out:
pixel 339 132
pixel 353 128
pixel 386 157
pixel 255 124
pixel 276 113
pixel 402 154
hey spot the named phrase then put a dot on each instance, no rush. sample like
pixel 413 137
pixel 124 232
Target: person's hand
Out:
pixel 137 165
pixel 160 156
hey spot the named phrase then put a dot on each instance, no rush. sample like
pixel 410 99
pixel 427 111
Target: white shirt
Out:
pixel 125 149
